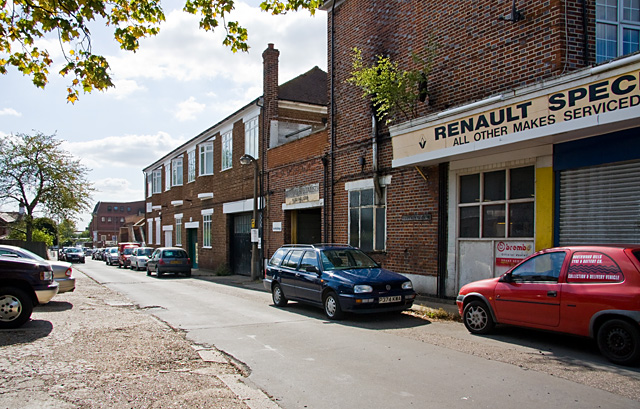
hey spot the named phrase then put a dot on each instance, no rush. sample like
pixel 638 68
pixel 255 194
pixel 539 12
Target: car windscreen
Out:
pixel 75 251
pixel 128 250
pixel 145 252
pixel 344 259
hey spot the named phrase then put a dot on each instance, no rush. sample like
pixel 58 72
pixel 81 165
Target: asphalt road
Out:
pixel 303 360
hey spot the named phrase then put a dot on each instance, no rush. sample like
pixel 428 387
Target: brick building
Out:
pixel 107 219
pixel 528 138
pixel 200 197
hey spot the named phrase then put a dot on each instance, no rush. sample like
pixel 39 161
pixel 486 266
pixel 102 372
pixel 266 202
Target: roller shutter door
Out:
pixel 600 204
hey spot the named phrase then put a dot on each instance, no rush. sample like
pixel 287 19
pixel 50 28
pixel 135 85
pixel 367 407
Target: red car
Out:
pixel 591 291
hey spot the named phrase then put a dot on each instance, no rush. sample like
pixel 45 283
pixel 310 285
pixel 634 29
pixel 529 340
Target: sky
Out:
pixel 178 84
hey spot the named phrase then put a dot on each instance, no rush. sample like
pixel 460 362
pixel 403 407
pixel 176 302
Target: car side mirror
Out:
pixel 506 278
pixel 312 269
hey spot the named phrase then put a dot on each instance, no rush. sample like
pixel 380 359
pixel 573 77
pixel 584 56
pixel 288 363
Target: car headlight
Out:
pixel 407 285
pixel 362 288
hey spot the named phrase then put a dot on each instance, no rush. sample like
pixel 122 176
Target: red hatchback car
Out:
pixel 591 291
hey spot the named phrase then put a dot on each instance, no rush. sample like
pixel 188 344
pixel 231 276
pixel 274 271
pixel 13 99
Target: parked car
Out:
pixel 590 291
pixel 139 258
pixel 124 253
pixel 338 278
pixel 169 260
pixel 111 255
pixel 62 270
pixel 62 253
pixel 97 254
pixel 74 254
pixel 24 283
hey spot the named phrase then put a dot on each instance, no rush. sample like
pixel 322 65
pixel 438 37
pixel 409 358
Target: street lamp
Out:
pixel 247 159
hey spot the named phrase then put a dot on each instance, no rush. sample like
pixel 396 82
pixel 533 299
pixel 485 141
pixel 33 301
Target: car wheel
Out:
pixel 187 273
pixel 15 307
pixel 477 318
pixel 148 271
pixel 619 342
pixel 332 306
pixel 158 273
pixel 278 296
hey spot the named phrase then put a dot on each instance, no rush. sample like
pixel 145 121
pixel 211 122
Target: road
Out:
pixel 303 360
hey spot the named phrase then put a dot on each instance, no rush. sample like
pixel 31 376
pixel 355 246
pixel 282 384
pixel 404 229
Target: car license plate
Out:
pixel 176 262
pixel 385 300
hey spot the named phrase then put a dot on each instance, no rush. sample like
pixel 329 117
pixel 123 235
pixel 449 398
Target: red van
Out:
pixel 591 291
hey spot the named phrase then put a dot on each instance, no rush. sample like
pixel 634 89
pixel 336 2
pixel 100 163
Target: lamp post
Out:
pixel 247 159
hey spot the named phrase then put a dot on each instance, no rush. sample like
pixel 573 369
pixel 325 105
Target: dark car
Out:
pixel 74 254
pixel 338 278
pixel 62 270
pixel 23 284
pixel 169 260
pixel 590 291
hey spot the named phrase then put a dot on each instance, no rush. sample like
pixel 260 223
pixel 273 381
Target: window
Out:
pixel 367 219
pixel 491 201
pixel 278 257
pixel 545 267
pixel 108 208
pixel 191 166
pixel 309 261
pixel 293 259
pixel 150 230
pixel 103 219
pixel 167 176
pixel 251 138
pixel 176 172
pixel 206 159
pixel 157 181
pixel 227 150
pixel 115 208
pixel 158 231
pixel 617 28
pixel 206 230
pixel 149 184
pixel 178 231
pixel 109 219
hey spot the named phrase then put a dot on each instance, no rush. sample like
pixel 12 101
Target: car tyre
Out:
pixel 148 271
pixel 279 300
pixel 332 306
pixel 619 341
pixel 477 318
pixel 187 273
pixel 158 273
pixel 15 307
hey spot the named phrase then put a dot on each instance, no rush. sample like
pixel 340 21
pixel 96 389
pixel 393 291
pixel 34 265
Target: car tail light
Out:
pixel 68 272
pixel 161 262
pixel 46 275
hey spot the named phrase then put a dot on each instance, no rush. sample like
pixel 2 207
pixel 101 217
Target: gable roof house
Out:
pixel 201 198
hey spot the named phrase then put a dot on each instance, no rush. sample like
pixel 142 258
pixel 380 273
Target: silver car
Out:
pixel 62 270
pixel 139 258
pixel 111 256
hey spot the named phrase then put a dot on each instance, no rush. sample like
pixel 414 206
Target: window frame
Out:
pixel 206 155
pixel 252 137
pixel 226 150
pixel 206 230
pixel 191 166
pixel 177 171
pixel 621 25
pixel 178 231
pixel 157 181
pixel 481 204
pixel 376 235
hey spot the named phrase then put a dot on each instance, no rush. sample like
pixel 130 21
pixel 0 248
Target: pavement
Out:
pixel 422 300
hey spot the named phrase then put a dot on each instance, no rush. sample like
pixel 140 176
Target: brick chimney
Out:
pixel 270 82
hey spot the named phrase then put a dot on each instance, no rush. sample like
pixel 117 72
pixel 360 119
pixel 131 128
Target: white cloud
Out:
pixel 188 110
pixel 124 88
pixel 9 112
pixel 127 151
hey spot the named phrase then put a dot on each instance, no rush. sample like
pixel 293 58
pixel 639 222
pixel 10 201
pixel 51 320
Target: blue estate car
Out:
pixel 336 277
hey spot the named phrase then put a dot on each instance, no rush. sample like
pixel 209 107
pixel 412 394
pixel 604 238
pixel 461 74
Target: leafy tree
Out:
pixel 23 22
pixel 18 232
pixel 395 93
pixel 66 233
pixel 37 174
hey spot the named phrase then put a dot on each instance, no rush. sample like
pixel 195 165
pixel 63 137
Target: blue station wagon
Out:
pixel 338 278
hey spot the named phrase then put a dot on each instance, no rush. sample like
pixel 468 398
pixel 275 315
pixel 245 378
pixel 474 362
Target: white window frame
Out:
pixel 149 184
pixel 158 231
pixel 206 155
pixel 227 150
pixel 191 166
pixel 157 181
pixel 167 176
pixel 251 137
pixel 150 230
pixel 206 230
pixel 177 172
pixel 620 24
pixel 178 230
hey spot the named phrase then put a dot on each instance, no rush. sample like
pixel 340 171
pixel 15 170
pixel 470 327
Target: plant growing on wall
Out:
pixel 395 93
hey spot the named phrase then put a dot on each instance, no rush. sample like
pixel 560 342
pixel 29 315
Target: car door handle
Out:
pixel 552 293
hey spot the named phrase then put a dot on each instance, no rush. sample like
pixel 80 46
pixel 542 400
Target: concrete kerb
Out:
pixel 421 302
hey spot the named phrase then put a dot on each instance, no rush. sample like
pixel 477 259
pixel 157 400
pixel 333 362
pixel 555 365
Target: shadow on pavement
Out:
pixel 29 332
pixel 54 306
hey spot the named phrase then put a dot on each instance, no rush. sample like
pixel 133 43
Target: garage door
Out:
pixel 600 204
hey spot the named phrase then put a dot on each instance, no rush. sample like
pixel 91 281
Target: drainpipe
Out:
pixel 333 121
